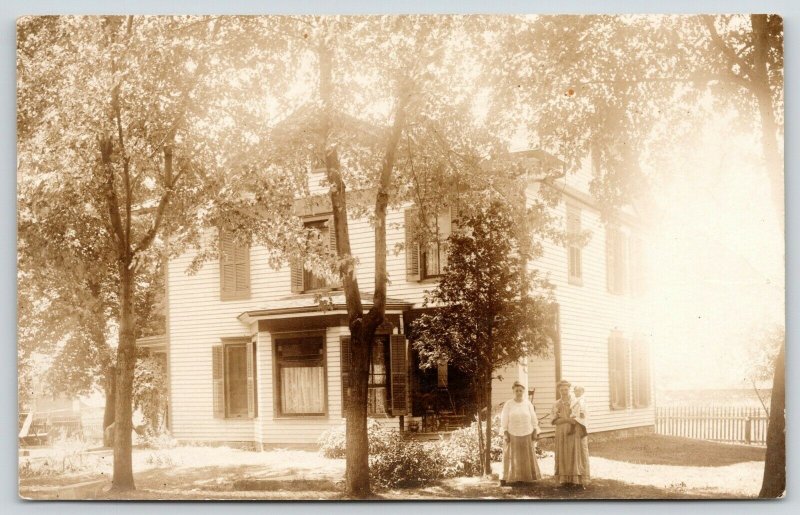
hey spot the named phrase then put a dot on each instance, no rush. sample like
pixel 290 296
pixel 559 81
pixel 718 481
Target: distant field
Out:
pixel 733 397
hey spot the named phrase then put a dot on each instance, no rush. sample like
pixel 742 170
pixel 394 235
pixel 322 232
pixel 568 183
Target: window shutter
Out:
pixel 641 372
pixel 618 371
pixel 636 266
pixel 234 268
pixel 622 260
pixel 218 378
pixel 623 367
pixel 297 275
pixel 227 264
pixel 252 410
pixel 612 372
pixel 611 259
pixel 332 236
pixel 412 246
pixel 399 368
pixel 242 267
pixel 337 281
pixel 344 357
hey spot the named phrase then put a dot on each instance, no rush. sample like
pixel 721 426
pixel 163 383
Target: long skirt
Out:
pixel 572 455
pixel 519 460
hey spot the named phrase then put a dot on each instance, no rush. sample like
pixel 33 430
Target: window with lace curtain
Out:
pixel 300 376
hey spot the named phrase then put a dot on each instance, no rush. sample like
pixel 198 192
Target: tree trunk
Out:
pixel 357 441
pixel 126 358
pixel 774 482
pixel 108 414
pixel 478 389
pixel 769 128
pixel 487 463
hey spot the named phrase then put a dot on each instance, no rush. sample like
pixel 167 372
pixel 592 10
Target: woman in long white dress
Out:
pixel 520 429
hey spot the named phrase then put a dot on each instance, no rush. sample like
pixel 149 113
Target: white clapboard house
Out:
pixel 252 358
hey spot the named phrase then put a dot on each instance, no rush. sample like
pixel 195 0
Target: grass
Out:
pixel 673 450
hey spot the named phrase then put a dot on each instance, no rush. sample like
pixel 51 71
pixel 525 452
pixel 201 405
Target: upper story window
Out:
pixel 574 250
pixel 429 260
pixel 616 260
pixel 234 268
pixel 636 258
pixel 304 280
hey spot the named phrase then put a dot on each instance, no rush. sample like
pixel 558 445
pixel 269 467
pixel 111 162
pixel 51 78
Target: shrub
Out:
pixel 332 442
pixel 156 441
pixel 403 463
pixel 459 452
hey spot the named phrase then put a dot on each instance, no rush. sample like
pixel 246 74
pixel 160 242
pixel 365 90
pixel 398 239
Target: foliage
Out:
pixel 150 391
pixel 459 450
pixel 332 442
pixel 65 456
pixel 762 353
pixel 403 463
pixel 491 310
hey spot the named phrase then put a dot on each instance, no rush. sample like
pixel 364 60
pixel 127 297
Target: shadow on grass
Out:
pixel 673 450
pixel 545 489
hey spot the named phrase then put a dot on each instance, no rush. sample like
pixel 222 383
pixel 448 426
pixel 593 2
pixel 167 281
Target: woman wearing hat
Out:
pixel 572 450
pixel 520 429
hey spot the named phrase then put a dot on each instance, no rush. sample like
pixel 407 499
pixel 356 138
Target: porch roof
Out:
pixel 316 304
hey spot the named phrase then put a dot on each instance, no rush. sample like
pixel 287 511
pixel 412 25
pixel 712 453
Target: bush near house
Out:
pixel 399 462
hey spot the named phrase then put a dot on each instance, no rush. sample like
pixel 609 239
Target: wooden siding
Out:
pixel 588 315
pixel 198 319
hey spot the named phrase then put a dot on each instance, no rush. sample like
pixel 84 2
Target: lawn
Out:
pixel 673 450
pixel 649 467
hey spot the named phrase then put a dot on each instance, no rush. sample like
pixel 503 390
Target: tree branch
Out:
pixel 747 69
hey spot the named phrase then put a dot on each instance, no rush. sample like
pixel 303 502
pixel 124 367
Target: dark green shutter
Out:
pixel 399 374
pixel 411 246
pixel 345 360
pixel 218 381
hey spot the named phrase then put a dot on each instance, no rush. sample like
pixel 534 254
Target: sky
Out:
pixel 716 258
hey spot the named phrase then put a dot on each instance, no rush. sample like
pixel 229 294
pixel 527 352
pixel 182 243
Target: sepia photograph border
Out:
pixel 9 500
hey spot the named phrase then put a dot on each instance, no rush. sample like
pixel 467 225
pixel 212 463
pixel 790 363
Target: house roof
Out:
pixel 309 304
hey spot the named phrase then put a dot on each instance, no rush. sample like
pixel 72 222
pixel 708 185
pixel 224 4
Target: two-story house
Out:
pixel 254 359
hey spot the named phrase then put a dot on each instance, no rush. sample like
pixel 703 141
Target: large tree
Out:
pixel 387 113
pixel 131 120
pixel 492 310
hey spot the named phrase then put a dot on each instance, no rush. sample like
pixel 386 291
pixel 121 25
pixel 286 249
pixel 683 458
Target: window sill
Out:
pixel 321 290
pixel 301 417
pixel 576 281
pixel 235 296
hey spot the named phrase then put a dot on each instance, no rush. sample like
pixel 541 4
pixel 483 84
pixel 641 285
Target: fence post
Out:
pixel 748 423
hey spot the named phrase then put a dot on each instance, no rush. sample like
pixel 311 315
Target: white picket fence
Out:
pixel 733 424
